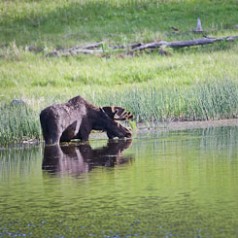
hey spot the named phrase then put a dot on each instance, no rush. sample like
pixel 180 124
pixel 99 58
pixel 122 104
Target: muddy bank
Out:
pixel 186 125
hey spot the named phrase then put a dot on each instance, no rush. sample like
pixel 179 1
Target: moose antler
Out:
pixel 117 113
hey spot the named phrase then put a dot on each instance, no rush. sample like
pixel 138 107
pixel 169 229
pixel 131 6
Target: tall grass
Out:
pixel 18 123
pixel 204 101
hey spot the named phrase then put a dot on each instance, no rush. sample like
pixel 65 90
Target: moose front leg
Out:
pixel 69 133
pixel 83 133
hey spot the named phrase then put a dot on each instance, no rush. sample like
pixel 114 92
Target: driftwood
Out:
pixel 89 49
pixel 97 48
pixel 180 44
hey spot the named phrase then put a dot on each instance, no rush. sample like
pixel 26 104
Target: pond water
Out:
pixel 161 184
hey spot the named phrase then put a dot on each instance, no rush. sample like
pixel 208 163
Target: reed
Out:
pixel 213 100
pixel 204 101
pixel 18 123
pixel 210 100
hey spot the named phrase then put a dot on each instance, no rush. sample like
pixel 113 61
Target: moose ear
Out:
pixel 117 113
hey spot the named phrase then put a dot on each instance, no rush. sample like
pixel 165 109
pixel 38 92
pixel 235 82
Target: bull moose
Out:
pixel 76 118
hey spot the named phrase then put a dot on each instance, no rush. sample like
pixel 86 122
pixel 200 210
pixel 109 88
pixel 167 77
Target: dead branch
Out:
pixel 97 49
pixel 93 45
pixel 89 49
pixel 72 52
pixel 180 44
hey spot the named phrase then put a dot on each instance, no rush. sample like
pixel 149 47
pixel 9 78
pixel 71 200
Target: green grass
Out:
pixel 65 22
pixel 18 123
pixel 198 83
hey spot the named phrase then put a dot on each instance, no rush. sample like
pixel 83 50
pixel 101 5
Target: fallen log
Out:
pixel 181 44
pixel 97 48
pixel 93 46
pixel 89 49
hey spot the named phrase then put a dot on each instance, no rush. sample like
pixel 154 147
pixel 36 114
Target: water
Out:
pixel 170 184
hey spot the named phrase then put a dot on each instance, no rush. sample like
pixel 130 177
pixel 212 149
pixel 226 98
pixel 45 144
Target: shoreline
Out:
pixel 188 125
pixel 142 128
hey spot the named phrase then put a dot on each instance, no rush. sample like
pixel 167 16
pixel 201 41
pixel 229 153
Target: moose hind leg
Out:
pixel 83 134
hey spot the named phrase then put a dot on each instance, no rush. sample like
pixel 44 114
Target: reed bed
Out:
pixel 211 100
pixel 19 123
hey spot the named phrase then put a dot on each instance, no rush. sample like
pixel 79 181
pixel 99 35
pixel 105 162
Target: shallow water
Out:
pixel 162 184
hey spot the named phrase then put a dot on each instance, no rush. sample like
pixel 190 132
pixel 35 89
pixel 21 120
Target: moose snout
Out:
pixel 120 132
pixel 128 133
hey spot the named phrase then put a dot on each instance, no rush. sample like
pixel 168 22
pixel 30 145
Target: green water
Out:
pixel 174 184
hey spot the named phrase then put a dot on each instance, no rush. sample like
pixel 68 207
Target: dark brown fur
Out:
pixel 77 118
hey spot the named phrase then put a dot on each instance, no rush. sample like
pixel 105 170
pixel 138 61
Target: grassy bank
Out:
pixel 204 101
pixel 62 23
pixel 198 83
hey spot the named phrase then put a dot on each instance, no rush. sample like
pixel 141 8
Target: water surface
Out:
pixel 170 184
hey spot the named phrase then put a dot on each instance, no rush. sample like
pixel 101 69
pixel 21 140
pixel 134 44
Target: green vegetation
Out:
pixel 18 122
pixel 197 83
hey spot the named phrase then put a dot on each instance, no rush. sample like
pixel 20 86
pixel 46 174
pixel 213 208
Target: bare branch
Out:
pixel 180 44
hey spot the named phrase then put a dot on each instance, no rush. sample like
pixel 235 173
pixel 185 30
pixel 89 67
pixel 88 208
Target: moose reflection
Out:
pixel 82 158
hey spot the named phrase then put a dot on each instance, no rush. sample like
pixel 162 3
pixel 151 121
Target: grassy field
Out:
pixel 197 83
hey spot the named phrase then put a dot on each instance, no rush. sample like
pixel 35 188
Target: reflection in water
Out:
pixel 82 158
